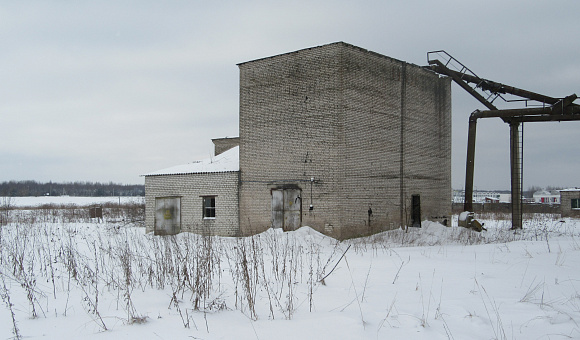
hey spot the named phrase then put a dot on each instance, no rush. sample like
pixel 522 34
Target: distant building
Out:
pixel 547 197
pixel 335 137
pixel 481 197
pixel 570 202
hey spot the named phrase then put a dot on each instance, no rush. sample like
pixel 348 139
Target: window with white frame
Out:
pixel 575 203
pixel 208 207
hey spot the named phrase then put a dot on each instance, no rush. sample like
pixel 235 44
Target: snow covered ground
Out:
pixel 110 281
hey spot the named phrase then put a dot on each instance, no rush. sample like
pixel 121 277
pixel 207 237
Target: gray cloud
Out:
pixel 109 90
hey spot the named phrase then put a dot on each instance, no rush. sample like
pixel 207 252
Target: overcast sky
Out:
pixel 108 90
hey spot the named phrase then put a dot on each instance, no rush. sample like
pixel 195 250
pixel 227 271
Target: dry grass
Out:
pixel 51 245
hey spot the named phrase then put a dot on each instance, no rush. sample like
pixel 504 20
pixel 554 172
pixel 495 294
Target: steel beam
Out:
pixel 562 118
pixel 561 105
pixel 470 163
pixel 438 67
pixel 489 85
pixel 571 112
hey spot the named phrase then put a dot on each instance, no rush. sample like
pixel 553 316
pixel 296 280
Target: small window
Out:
pixel 209 207
pixel 575 203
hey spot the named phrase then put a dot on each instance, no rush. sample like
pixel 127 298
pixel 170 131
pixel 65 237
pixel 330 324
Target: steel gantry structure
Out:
pixel 548 109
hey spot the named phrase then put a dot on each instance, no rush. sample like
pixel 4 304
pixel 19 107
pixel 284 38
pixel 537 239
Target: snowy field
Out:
pixel 112 281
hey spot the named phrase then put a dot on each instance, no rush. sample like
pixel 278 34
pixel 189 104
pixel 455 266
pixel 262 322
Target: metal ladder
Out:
pixel 476 83
pixel 517 187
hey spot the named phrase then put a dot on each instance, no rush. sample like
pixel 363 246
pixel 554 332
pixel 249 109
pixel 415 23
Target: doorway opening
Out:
pixel 416 211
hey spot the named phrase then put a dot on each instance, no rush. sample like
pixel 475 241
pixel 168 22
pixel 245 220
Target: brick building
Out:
pixel 570 202
pixel 200 197
pixel 341 139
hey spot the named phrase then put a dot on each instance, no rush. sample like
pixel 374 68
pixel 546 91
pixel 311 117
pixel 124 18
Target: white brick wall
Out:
pixel 337 113
pixel 191 188
pixel 566 203
pixel 224 144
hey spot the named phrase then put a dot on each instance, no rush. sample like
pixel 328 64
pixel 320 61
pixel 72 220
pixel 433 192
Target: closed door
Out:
pixel 286 209
pixel 277 208
pixel 167 215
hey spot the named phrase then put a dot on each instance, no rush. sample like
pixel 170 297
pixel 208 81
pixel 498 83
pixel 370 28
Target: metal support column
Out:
pixel 516 174
pixel 469 167
pixel 486 91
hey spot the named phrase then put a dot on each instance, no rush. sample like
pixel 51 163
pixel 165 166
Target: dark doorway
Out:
pixel 416 211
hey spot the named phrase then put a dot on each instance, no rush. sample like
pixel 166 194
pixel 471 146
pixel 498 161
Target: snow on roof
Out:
pixel 571 189
pixel 547 193
pixel 225 162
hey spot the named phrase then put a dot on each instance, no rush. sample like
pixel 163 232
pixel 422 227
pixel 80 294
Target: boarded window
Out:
pixel 209 207
pixel 167 215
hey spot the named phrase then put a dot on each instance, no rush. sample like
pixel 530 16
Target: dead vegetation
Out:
pixel 257 275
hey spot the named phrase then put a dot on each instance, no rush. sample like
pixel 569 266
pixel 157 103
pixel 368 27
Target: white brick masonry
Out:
pixel 191 188
pixel 371 131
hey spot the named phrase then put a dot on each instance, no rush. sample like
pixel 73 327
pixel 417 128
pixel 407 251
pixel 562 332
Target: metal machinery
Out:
pixel 546 109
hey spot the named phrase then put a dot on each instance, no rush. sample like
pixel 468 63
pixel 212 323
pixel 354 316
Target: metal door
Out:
pixel 277 208
pixel 167 215
pixel 292 209
pixel 286 209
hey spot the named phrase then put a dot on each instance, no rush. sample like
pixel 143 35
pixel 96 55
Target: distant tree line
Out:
pixel 86 189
